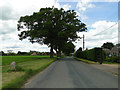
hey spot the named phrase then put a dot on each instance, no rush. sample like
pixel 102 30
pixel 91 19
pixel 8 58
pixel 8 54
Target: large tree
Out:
pixel 51 26
pixel 108 45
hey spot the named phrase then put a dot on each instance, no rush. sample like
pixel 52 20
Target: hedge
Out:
pixel 95 54
pixel 114 59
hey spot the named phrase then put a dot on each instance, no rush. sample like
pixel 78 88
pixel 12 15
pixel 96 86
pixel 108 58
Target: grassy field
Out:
pixel 30 64
pixel 8 59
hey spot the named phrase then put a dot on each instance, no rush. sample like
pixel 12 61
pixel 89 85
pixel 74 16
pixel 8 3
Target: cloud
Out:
pixel 25 45
pixel 11 11
pixel 66 6
pixel 6 13
pixel 100 34
pixel 13 47
pixel 82 6
pixel 14 9
pixel 8 26
pixel 88 0
pixel 81 16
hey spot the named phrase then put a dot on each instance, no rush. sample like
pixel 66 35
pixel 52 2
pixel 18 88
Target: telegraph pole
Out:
pixel 83 42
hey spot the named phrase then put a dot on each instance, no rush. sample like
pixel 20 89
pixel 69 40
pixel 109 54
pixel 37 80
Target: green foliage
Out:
pixel 2 53
pixel 108 45
pixel 114 59
pixel 22 53
pixel 96 54
pixel 90 55
pixel 68 48
pixel 77 53
pixel 51 26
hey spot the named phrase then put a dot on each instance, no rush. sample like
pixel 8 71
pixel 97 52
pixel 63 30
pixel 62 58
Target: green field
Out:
pixel 8 59
pixel 30 64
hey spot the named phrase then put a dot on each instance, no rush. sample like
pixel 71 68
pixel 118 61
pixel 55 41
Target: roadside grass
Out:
pixel 111 63
pixel 31 67
pixel 8 59
pixel 86 61
pixel 0 72
pixel 0 60
pixel 7 77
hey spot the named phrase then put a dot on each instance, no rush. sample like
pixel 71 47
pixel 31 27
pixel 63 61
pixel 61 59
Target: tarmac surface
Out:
pixel 70 73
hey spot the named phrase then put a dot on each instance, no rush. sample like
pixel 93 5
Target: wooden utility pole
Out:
pixel 83 42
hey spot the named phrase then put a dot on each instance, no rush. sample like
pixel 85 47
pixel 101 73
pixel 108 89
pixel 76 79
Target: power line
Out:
pixel 105 29
pixel 97 34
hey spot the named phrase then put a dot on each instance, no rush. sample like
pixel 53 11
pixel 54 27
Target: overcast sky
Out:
pixel 101 19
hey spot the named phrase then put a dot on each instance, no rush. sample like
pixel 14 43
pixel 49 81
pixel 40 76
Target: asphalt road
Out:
pixel 69 73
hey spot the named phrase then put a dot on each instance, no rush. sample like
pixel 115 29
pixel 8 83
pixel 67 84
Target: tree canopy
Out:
pixel 68 48
pixel 51 26
pixel 108 45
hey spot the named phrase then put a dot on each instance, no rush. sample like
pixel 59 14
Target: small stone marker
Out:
pixel 13 65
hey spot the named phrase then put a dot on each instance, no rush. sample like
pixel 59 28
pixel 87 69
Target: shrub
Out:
pixel 115 59
pixel 95 54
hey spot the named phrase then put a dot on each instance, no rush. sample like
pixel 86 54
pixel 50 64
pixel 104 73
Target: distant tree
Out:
pixel 80 49
pixel 77 53
pixel 51 26
pixel 108 45
pixel 12 54
pixel 31 52
pixel 22 53
pixel 2 53
pixel 19 53
pixel 68 48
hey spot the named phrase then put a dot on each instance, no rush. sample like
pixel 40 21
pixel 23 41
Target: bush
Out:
pixel 95 54
pixel 115 59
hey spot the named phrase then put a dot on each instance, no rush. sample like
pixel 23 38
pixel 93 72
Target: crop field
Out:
pixel 8 59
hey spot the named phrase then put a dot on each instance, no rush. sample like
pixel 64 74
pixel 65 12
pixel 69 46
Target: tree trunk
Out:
pixel 59 53
pixel 51 52
pixel 56 51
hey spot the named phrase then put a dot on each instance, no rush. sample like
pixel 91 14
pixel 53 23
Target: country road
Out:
pixel 70 73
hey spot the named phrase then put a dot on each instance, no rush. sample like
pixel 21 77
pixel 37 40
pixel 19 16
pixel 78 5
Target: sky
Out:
pixel 100 17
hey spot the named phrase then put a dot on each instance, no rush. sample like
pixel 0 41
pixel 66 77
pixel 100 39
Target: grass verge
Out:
pixel 111 63
pixel 29 72
pixel 86 61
